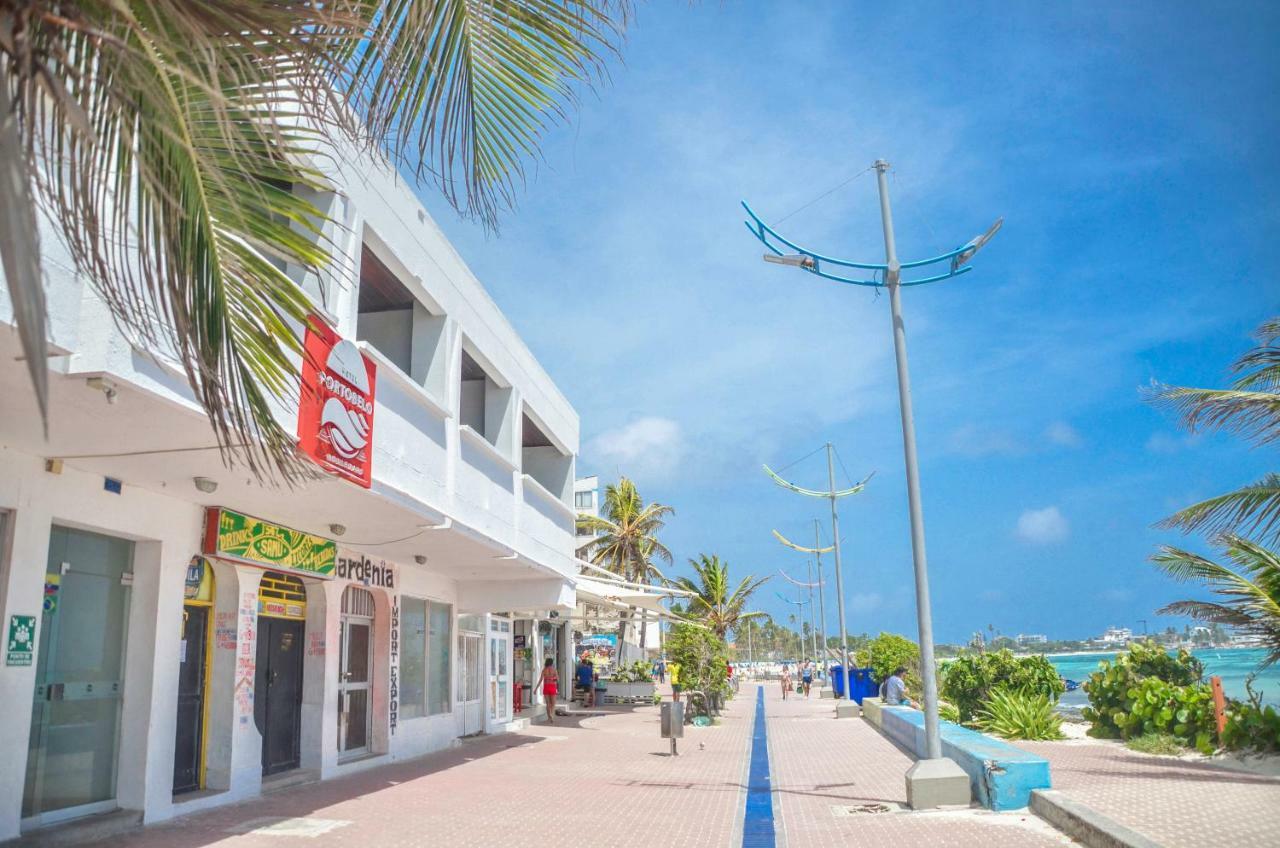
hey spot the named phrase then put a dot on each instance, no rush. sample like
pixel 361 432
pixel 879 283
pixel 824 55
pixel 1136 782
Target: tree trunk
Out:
pixel 644 631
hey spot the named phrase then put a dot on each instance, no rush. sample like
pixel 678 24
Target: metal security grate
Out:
pixel 282 596
pixel 357 601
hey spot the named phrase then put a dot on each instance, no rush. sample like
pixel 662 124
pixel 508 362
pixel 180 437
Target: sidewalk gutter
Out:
pixel 1085 824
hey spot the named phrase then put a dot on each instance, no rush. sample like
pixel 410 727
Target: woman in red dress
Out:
pixel 549 681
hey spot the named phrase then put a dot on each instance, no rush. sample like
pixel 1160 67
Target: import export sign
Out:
pixel 231 535
pixel 335 410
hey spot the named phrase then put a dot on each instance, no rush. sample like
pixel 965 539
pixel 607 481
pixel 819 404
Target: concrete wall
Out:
pixel 1001 776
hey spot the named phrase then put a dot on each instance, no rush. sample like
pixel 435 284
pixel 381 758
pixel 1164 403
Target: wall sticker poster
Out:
pixel 21 643
pixel 335 411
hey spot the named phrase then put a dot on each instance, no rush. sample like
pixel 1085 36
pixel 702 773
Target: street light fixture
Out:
pixel 888 274
pixel 795 260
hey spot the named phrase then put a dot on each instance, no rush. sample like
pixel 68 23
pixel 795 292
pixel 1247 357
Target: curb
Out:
pixel 1084 823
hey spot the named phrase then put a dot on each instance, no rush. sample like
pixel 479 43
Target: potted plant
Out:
pixel 633 681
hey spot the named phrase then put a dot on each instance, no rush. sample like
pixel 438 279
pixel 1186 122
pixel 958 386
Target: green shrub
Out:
pixel 1020 715
pixel 1148 690
pixel 1150 705
pixel 971 680
pixel 1148 659
pixel 1251 726
pixel 888 651
pixel 1156 743
pixel 703 658
pixel 948 712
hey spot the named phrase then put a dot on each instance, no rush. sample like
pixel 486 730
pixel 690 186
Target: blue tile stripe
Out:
pixel 757 821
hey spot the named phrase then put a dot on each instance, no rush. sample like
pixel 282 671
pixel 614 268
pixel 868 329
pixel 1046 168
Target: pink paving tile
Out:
pixel 1174 802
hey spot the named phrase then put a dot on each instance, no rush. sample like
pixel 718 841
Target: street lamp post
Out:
pixel 889 275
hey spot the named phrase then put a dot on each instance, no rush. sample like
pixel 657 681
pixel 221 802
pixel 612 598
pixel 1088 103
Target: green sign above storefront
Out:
pixel 232 535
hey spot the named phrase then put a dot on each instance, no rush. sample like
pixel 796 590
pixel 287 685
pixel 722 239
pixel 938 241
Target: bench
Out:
pixel 1000 775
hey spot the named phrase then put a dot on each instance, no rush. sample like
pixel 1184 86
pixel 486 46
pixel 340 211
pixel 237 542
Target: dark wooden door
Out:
pixel 277 699
pixel 188 746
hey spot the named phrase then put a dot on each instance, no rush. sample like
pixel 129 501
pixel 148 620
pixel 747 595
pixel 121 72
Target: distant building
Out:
pixel 1032 638
pixel 586 500
pixel 1116 636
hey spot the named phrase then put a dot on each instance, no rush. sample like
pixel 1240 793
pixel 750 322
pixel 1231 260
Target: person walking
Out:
pixel 806 676
pixel 662 671
pixel 587 680
pixel 549 680
pixel 786 681
pixel 673 669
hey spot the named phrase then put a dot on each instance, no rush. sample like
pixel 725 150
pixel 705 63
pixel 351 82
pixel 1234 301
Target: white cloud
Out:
pixel 1042 526
pixel 1063 434
pixel 648 447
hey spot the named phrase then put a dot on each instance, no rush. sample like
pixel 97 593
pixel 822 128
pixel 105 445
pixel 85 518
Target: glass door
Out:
pixel 75 717
pixel 470 648
pixel 499 671
pixel 353 687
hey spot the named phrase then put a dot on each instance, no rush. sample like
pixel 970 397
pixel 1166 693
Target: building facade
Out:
pixel 180 634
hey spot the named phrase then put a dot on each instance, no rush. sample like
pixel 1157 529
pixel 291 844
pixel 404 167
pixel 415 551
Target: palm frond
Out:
pixel 463 89
pixel 1251 510
pixel 1250 408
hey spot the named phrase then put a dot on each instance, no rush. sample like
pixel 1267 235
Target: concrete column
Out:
pixel 320 676
pixel 31 520
pixel 535 697
pixel 150 705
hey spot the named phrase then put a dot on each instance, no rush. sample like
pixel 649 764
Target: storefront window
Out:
pixel 439 644
pixel 413 657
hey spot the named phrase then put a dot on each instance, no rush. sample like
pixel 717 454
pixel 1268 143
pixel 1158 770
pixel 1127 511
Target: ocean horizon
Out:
pixel 1233 665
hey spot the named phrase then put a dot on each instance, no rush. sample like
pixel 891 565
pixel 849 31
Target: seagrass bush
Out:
pixel 1250 725
pixel 1020 714
pixel 1148 690
pixel 970 681
pixel 1125 709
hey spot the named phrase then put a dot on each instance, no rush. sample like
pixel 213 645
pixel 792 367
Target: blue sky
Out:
pixel 1132 153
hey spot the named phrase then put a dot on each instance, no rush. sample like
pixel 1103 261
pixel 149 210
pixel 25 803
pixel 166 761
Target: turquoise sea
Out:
pixel 1233 665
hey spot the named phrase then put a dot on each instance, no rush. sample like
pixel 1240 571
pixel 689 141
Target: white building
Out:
pixel 1116 636
pixel 1032 639
pixel 178 627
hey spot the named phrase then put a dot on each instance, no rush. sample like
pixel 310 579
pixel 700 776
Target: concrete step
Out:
pixel 83 831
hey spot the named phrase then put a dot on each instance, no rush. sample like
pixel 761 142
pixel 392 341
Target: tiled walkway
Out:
pixel 823 767
pixel 1169 800
pixel 608 781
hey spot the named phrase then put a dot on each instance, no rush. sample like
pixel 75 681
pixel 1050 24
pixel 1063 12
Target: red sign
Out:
pixel 335 414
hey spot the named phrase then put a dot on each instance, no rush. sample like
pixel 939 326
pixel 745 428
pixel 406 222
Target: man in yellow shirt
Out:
pixel 673 670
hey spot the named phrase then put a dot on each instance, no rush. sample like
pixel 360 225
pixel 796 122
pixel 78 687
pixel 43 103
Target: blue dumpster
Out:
pixel 861 683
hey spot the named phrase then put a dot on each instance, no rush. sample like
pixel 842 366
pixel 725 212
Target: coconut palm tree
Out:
pixel 1248 587
pixel 627 541
pixel 163 141
pixel 712 602
pixel 1250 408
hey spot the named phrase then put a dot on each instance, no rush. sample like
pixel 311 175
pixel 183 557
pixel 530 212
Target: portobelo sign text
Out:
pixel 234 536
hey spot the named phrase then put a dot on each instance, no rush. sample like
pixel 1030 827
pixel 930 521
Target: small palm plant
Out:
pixel 1017 714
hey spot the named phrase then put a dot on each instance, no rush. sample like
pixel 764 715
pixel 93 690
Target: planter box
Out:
pixel 629 690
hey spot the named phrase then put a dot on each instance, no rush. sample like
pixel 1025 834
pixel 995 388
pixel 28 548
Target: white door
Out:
pixel 470 646
pixel 354 668
pixel 499 675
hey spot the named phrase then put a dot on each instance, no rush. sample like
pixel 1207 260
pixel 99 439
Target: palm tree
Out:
pixel 1248 586
pixel 713 603
pixel 1251 408
pixel 1245 523
pixel 627 541
pixel 164 140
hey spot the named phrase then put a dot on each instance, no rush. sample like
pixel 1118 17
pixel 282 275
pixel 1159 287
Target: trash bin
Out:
pixel 861 683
